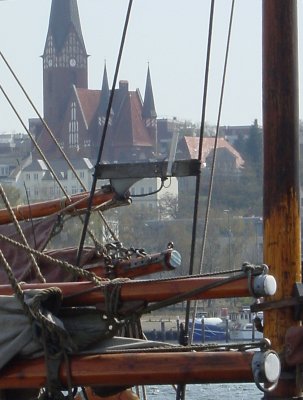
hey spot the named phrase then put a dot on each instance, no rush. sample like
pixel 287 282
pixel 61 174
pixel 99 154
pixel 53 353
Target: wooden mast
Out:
pixel 282 247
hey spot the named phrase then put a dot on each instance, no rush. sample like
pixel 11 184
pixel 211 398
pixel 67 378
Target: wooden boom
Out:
pixel 86 293
pixel 168 260
pixel 131 369
pixel 42 209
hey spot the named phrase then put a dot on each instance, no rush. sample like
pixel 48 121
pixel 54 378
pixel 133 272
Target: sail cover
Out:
pixel 87 331
pixel 37 234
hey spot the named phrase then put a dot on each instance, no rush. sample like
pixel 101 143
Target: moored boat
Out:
pixel 210 329
pixel 245 331
pixel 243 327
pixel 106 302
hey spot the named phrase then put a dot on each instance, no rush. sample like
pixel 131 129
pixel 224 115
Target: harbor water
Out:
pixel 232 391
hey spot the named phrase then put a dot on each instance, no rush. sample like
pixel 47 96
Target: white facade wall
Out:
pixel 40 186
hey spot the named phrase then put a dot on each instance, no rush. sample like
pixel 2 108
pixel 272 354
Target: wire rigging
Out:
pixel 50 133
pixel 180 393
pixel 216 136
pixel 181 389
pixel 104 133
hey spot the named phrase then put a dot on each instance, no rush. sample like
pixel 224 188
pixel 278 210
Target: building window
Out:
pixel 27 177
pixel 73 127
pixel 4 171
pixel 36 176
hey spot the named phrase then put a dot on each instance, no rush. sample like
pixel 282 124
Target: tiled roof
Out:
pixel 36 165
pixel 58 166
pixel 88 101
pixel 129 128
pixel 192 146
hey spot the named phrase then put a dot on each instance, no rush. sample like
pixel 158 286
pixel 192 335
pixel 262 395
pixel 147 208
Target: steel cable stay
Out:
pixel 104 133
pixel 52 136
pixel 188 339
pixel 180 392
pixel 206 217
pixel 85 227
pixel 52 172
pixel 50 133
pixel 111 290
pixel 105 130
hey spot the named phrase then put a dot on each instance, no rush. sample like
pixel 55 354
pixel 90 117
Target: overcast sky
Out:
pixel 169 34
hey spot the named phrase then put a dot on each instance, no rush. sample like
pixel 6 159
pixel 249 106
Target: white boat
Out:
pixel 243 327
pixel 245 332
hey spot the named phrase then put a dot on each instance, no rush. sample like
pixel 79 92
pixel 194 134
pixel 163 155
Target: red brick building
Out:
pixel 75 113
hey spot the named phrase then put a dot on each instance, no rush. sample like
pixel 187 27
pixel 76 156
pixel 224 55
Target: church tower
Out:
pixel 64 62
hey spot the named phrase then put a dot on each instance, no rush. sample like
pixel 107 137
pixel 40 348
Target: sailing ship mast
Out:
pixel 282 250
pixel 282 246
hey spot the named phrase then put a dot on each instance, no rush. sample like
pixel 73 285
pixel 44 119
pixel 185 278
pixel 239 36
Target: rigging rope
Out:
pixel 104 133
pixel 198 178
pixel 206 218
pixel 19 230
pixel 216 141
pixel 181 388
pixel 44 158
pixel 56 143
pixel 217 135
pixel 56 341
pixel 77 271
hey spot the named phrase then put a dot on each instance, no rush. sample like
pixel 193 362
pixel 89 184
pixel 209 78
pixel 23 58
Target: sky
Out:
pixel 169 35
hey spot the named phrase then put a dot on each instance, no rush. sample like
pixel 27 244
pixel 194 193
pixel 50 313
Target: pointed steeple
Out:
pixel 148 110
pixel 64 14
pixel 104 94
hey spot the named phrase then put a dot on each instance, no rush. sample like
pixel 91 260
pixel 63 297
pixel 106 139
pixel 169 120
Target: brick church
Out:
pixel 76 114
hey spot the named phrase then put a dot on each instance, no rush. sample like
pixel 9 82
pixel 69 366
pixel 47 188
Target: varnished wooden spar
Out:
pixel 127 394
pixel 86 293
pixel 168 260
pixel 42 209
pixel 131 369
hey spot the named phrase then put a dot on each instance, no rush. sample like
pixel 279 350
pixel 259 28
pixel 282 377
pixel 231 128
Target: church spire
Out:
pixel 64 15
pixel 149 114
pixel 104 94
pixel 149 110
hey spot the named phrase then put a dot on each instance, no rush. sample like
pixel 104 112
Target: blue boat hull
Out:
pixel 208 333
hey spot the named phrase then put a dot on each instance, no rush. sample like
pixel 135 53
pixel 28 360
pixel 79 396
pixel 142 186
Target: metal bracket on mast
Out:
pixel 123 176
